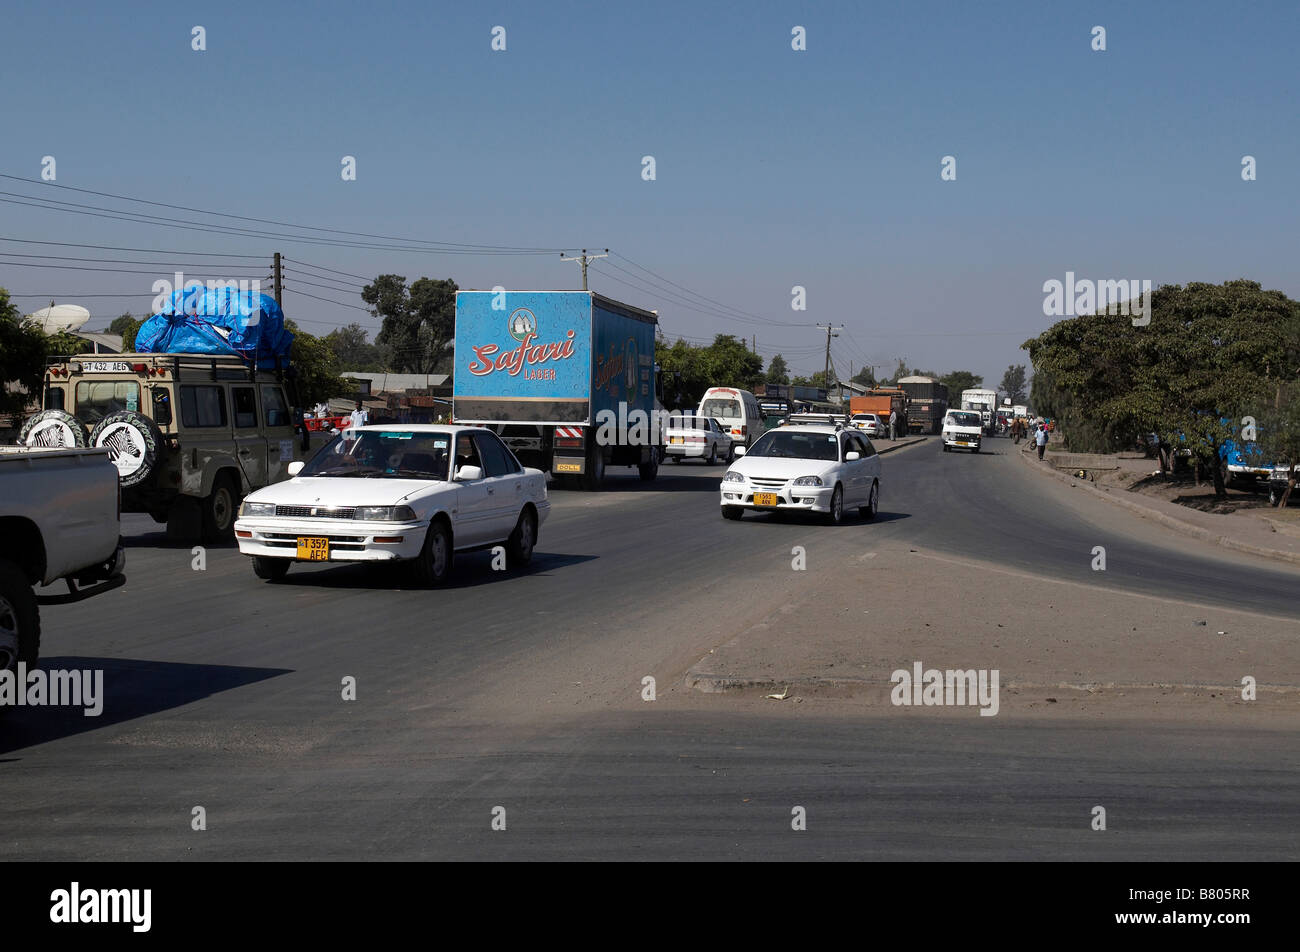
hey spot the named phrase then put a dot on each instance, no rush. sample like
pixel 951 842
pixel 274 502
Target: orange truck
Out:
pixel 881 401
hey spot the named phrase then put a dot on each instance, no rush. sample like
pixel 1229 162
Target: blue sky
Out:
pixel 774 168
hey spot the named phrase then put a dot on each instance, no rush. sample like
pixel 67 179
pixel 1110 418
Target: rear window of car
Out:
pixel 720 408
pixel 96 399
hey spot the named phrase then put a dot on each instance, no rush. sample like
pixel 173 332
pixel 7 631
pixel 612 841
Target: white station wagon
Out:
pixel 415 494
pixel 821 468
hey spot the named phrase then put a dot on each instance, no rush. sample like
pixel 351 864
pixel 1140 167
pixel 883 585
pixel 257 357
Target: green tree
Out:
pixel 960 380
pixel 1013 383
pixel 352 347
pixel 66 344
pixel 22 358
pixel 864 378
pixel 119 324
pixel 129 333
pixel 689 371
pixel 418 323
pixel 316 368
pixel 817 380
pixel 777 371
pixel 1207 359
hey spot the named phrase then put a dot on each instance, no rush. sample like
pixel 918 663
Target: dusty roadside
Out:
pixel 1055 644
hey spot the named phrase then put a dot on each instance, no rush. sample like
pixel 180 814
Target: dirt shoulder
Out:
pixel 1053 643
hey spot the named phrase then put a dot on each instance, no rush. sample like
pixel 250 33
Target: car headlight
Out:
pixel 385 513
pixel 808 481
pixel 733 477
pixel 257 508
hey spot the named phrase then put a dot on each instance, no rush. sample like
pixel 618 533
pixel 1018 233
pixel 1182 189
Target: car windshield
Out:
pixel 715 407
pixel 793 444
pixel 965 419
pixel 383 454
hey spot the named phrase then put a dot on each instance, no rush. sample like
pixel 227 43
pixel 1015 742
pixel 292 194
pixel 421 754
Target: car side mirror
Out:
pixel 740 451
pixel 295 467
pixel 467 474
pixel 851 455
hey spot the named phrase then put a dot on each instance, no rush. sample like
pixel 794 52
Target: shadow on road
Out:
pixel 686 477
pixel 131 689
pixel 470 570
pixel 813 518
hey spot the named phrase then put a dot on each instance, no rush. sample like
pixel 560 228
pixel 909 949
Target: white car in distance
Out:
pixel 697 437
pixel 871 424
pixel 415 494
pixel 822 468
pixel 962 429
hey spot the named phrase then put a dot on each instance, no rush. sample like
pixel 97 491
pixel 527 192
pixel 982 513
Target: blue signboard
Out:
pixel 522 355
pixel 623 371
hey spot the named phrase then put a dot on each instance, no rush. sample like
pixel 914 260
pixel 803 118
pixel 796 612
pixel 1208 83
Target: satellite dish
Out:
pixel 59 317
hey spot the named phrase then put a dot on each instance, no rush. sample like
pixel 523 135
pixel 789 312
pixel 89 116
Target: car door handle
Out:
pixel 491 491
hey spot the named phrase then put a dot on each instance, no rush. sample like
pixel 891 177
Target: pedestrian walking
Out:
pixel 1040 439
pixel 893 424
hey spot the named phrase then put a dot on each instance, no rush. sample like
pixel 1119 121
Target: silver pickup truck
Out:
pixel 59 519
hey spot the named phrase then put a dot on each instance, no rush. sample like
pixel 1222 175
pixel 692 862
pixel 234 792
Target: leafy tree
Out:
pixel 777 370
pixel 1206 359
pixel 418 324
pixel 65 343
pixel 689 371
pixel 119 324
pixel 352 347
pixel 316 368
pixel 960 380
pixel 22 358
pixel 129 333
pixel 864 378
pixel 1013 383
pixel 817 380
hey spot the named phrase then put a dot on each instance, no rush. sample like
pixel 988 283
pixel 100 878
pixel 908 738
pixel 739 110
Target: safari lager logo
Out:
pixel 522 325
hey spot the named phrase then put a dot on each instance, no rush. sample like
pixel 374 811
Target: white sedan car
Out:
pixel 415 494
pixel 821 468
pixel 698 437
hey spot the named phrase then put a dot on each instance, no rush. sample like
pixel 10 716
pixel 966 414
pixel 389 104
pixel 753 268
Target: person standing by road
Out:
pixel 893 424
pixel 1040 439
pixel 359 416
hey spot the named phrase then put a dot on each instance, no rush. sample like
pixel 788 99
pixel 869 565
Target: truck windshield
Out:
pixel 791 444
pixel 383 454
pixel 965 419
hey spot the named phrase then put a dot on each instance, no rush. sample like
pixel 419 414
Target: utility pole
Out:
pixel 583 259
pixel 829 335
pixel 277 277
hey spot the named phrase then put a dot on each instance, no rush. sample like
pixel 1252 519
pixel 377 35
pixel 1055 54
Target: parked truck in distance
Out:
pixel 59 520
pixel 985 402
pixel 927 403
pixel 565 378
pixel 880 401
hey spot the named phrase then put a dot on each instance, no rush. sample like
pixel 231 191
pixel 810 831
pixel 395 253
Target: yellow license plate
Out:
pixel 568 467
pixel 766 499
pixel 676 439
pixel 313 549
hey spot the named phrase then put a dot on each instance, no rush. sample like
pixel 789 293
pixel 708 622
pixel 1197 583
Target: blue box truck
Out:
pixel 566 378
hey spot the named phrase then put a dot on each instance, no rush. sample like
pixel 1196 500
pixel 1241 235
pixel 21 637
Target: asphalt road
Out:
pixel 523 691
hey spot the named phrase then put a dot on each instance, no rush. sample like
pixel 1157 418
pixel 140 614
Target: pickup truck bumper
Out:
pixel 101 578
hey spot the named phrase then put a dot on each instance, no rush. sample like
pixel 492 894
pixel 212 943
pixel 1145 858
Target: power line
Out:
pixel 326 300
pixel 73 244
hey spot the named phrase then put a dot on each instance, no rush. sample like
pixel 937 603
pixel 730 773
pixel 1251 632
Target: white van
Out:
pixel 738 412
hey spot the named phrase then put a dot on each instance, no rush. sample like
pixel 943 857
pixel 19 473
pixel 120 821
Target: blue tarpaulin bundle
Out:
pixel 218 320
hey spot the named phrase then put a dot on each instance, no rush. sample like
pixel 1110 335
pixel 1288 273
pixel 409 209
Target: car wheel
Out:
pixel 219 511
pixel 946 448
pixel 733 512
pixel 519 547
pixel 675 458
pixel 836 516
pixel 273 570
pixel 432 566
pixel 20 620
pixel 53 428
pixel 873 503
pixel 731 453
pixel 134 444
pixel 713 454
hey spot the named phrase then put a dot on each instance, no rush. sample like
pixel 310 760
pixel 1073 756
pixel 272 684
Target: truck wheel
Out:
pixel 134 444
pixel 873 503
pixel 219 511
pixel 273 570
pixel 53 428
pixel 20 620
pixel 432 566
pixel 519 547
pixel 649 470
pixel 595 474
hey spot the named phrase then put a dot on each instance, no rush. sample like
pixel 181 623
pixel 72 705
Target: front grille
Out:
pixel 342 543
pixel 317 512
pixel 767 485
